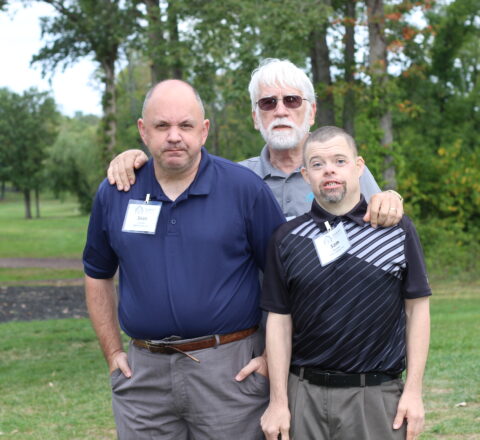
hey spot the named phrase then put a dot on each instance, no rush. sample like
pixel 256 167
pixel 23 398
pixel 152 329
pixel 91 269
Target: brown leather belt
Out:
pixel 170 347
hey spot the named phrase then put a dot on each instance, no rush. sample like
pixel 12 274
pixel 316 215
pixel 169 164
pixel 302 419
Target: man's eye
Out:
pixel 317 164
pixel 186 126
pixel 341 162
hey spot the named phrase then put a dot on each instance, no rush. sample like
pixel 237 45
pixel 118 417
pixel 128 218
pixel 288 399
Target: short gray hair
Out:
pixel 326 133
pixel 272 72
pixel 152 89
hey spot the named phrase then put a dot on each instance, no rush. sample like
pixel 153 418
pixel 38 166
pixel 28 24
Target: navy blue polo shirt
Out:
pixel 198 274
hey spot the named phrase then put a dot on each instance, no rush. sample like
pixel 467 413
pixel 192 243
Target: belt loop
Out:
pixel 217 341
pixel 362 380
pixel 302 372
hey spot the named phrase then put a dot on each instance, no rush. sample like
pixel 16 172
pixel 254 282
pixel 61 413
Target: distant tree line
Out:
pixel 401 76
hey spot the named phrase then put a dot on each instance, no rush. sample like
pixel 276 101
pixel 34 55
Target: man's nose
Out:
pixel 280 109
pixel 173 135
pixel 329 168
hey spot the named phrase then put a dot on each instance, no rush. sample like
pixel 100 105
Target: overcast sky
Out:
pixel 75 89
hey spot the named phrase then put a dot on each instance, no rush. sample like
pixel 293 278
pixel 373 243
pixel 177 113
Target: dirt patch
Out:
pixel 25 303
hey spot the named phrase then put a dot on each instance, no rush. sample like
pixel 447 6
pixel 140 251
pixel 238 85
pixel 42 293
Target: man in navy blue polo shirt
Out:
pixel 347 303
pixel 189 239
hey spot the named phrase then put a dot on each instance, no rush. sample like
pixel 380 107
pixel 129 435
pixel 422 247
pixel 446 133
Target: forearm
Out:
pixel 102 308
pixel 279 351
pixel 418 339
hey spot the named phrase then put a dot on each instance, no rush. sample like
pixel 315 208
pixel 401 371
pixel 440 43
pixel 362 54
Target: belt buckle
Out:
pixel 327 378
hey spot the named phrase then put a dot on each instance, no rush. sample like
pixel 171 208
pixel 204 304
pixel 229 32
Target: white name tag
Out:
pixel 331 245
pixel 141 217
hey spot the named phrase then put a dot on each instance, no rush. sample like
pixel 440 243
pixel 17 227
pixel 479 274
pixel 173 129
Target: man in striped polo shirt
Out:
pixel 348 304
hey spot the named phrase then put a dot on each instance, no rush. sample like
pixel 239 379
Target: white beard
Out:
pixel 284 141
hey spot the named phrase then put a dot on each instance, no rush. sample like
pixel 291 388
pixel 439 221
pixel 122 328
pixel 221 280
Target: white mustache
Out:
pixel 281 121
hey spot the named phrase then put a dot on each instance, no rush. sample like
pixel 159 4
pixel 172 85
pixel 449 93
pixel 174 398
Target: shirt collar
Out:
pixel 320 215
pixel 201 185
pixel 266 167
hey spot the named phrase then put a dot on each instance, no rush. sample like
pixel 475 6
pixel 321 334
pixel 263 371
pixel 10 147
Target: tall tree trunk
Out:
pixel 109 105
pixel 37 203
pixel 349 99
pixel 174 41
pixel 28 205
pixel 2 190
pixel 156 42
pixel 320 59
pixel 378 72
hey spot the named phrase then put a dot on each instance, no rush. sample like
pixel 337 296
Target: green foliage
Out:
pixel 28 126
pixel 75 162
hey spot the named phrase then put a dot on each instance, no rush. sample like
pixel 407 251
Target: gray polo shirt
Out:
pixel 292 192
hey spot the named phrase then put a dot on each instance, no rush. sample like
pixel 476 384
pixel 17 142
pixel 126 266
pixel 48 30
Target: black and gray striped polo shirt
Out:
pixel 349 315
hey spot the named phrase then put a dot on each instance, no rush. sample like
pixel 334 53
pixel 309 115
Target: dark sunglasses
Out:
pixel 289 101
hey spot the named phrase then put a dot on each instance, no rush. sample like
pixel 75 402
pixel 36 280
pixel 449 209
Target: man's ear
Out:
pixel 305 175
pixel 255 120
pixel 313 113
pixel 206 127
pixel 141 130
pixel 360 163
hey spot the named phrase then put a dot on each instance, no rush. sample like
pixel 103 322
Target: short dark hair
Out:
pixel 326 133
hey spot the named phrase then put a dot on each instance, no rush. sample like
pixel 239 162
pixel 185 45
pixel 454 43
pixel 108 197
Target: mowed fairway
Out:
pixel 59 232
pixel 54 382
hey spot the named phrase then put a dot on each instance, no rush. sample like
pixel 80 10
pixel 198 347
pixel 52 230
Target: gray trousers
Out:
pixel 170 396
pixel 325 413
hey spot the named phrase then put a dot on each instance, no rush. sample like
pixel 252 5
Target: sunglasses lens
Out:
pixel 292 101
pixel 267 103
pixel 289 101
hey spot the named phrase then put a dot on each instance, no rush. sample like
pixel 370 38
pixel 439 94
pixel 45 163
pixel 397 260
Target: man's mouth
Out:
pixel 331 184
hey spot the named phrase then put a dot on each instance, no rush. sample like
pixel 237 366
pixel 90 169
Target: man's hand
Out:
pixel 257 365
pixel 385 209
pixel 410 407
pixel 121 170
pixel 118 360
pixel 276 420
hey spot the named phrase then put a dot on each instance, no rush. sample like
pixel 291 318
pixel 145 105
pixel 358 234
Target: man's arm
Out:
pixel 121 170
pixel 410 406
pixel 384 208
pixel 276 419
pixel 102 308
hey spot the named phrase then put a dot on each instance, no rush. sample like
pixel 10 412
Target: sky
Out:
pixel 74 89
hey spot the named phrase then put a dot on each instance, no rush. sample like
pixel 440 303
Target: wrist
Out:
pixel 396 193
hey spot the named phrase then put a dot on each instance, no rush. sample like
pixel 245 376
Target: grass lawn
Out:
pixel 31 275
pixel 60 232
pixel 54 383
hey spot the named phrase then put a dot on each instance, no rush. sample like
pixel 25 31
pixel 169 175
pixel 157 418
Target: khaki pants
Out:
pixel 172 397
pixel 356 413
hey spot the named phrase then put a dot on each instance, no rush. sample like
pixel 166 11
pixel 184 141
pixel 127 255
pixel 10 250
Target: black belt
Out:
pixel 341 380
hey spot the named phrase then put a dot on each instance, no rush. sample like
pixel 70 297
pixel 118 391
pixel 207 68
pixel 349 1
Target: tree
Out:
pixel 74 162
pixel 89 27
pixel 28 125
pixel 378 72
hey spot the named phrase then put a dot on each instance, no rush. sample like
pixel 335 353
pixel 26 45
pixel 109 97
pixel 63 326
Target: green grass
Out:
pixel 60 232
pixel 54 382
pixel 34 274
pixel 453 374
